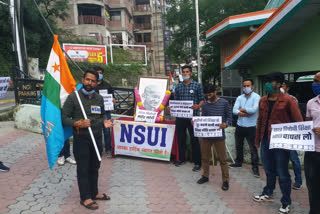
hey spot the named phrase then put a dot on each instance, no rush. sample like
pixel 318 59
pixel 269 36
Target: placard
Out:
pixel 87 53
pixel 144 140
pixel 207 126
pixel 292 136
pixel 4 84
pixel 180 108
pixel 107 99
pixel 145 116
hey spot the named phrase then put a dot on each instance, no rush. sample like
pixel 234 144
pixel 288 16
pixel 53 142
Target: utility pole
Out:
pixel 198 43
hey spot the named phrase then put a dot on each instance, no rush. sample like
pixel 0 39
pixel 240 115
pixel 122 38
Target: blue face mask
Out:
pixel 269 88
pixel 100 77
pixel 87 92
pixel 316 89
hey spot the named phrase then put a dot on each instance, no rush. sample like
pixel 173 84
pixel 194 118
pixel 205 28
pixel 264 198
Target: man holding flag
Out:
pixel 58 84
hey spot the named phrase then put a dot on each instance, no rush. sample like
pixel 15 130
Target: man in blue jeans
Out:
pixel 275 108
pixel 64 155
pixel 294 157
pixel 103 85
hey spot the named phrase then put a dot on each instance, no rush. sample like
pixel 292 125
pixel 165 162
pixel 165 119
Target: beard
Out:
pixel 88 87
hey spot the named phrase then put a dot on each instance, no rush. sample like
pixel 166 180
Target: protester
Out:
pixel 84 152
pixel 3 168
pixel 103 85
pixel 294 157
pixel 64 155
pixel 215 106
pixel 312 159
pixel 188 90
pixel 246 107
pixel 275 108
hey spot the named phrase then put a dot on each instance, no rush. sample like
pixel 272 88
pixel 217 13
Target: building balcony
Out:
pixel 142 8
pixel 97 20
pixel 144 26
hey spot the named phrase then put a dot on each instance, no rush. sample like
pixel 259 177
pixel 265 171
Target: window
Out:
pixel 147 37
pixel 115 15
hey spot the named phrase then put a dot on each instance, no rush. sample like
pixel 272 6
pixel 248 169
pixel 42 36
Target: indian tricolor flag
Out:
pixel 58 84
pixel 172 82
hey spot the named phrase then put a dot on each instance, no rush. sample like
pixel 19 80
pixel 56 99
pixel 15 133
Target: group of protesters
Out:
pixel 255 116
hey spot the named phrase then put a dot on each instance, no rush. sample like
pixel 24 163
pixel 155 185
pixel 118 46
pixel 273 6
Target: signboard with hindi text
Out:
pixel 207 126
pixel 180 108
pixel 145 116
pixel 87 53
pixel 146 140
pixel 292 136
pixel 107 99
pixel 4 84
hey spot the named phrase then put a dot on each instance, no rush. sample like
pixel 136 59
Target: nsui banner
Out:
pixel 144 140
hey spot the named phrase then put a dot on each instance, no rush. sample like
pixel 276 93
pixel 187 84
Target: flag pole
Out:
pixel 90 130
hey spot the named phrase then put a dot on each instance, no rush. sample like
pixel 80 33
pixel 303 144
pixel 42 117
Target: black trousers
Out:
pixel 182 124
pixel 312 172
pixel 87 165
pixel 250 134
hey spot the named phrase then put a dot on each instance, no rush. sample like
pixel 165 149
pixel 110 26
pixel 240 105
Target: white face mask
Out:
pixel 185 78
pixel 282 90
pixel 247 90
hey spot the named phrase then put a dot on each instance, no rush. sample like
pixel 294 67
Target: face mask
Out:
pixel 211 99
pixel 269 88
pixel 316 89
pixel 87 92
pixel 100 77
pixel 247 90
pixel 282 90
pixel 185 78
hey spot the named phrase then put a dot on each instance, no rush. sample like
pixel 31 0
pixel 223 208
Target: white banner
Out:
pixel 207 126
pixel 145 116
pixel 292 136
pixel 4 84
pixel 179 108
pixel 144 140
pixel 108 100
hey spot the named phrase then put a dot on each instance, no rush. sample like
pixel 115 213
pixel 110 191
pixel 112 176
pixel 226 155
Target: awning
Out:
pixel 308 78
pixel 237 21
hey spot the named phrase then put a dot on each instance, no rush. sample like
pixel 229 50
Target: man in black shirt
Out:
pixel 103 85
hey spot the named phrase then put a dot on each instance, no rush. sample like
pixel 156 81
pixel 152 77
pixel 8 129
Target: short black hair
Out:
pixel 275 76
pixel 187 66
pixel 288 84
pixel 98 68
pixel 251 80
pixel 209 88
pixel 91 71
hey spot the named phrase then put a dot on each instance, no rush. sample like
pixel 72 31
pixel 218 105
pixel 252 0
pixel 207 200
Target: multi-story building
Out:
pixel 121 22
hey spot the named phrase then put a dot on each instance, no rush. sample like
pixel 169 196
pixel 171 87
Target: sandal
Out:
pixel 104 198
pixel 90 205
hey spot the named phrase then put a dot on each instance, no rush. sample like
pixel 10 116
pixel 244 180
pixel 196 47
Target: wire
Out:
pixel 48 25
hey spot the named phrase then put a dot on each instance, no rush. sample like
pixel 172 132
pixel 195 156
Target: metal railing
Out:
pixel 125 100
pixel 144 26
pixel 98 20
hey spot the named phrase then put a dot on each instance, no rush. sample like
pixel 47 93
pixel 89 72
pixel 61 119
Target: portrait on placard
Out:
pixel 152 91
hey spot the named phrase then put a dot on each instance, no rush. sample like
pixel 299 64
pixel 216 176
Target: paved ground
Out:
pixel 135 185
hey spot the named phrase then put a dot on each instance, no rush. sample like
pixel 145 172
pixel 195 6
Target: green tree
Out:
pixel 181 16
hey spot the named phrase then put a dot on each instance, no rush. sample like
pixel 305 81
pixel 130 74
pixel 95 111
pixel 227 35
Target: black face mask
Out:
pixel 211 99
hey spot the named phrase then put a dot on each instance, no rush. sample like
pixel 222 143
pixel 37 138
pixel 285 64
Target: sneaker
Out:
pixel 61 161
pixel 255 172
pixel 108 154
pixel 284 209
pixel 196 168
pixel 203 180
pixel 296 186
pixel 71 161
pixel 235 165
pixel 179 163
pixel 3 168
pixel 225 186
pixel 262 198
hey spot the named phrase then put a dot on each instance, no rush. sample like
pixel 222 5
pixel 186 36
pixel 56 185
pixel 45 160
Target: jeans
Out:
pixel 107 134
pixel 312 172
pixel 275 162
pixel 250 134
pixel 294 158
pixel 87 165
pixel 65 151
pixel 182 125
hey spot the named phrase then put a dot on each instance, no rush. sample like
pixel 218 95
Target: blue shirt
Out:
pixel 193 92
pixel 251 105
